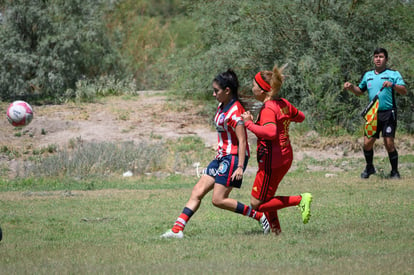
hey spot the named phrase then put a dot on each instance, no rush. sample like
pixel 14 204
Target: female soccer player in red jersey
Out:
pixel 274 151
pixel 226 170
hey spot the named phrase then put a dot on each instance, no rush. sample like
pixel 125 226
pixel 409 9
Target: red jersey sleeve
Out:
pixel 295 114
pixel 266 127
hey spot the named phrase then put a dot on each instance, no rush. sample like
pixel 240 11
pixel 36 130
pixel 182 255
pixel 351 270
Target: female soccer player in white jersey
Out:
pixel 225 172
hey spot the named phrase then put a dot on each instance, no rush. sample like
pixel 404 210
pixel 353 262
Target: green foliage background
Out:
pixel 325 43
pixel 47 46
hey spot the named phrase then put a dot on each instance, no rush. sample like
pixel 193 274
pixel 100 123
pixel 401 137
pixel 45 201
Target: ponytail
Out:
pixel 275 79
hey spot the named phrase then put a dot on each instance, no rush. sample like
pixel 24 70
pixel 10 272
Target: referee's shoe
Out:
pixel 369 170
pixel 394 175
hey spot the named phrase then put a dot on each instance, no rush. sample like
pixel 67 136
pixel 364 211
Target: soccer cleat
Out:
pixel 394 175
pixel 369 170
pixel 304 206
pixel 171 235
pixel 265 224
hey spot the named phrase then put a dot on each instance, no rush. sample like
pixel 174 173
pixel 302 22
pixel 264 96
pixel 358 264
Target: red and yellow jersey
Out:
pixel 273 148
pixel 226 119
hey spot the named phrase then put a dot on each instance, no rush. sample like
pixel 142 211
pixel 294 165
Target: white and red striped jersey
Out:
pixel 226 119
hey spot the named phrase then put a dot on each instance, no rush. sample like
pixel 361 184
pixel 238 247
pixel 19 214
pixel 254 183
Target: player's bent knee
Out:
pixel 255 203
pixel 217 202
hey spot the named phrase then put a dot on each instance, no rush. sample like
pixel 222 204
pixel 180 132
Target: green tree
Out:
pixel 324 42
pixel 48 45
pixel 150 33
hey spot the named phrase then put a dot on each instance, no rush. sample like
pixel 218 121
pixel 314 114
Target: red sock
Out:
pixel 279 202
pixel 248 211
pixel 273 219
pixel 180 223
pixel 182 220
pixel 258 215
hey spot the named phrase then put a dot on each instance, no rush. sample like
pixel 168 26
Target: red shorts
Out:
pixel 267 180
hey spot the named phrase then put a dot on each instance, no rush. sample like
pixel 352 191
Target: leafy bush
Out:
pixel 150 34
pixel 88 90
pixel 325 43
pixel 46 46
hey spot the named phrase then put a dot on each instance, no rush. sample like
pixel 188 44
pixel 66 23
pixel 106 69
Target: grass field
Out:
pixel 357 227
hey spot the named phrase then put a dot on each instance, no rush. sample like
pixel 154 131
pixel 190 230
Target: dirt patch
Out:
pixel 149 116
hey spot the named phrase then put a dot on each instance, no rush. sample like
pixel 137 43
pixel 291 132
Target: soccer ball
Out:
pixel 19 113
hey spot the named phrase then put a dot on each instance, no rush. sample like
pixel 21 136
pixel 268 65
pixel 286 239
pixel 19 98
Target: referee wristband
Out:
pixel 240 166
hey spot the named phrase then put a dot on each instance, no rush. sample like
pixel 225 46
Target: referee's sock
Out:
pixel 369 157
pixel 393 156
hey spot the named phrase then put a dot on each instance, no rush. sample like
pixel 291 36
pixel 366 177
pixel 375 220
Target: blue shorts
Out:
pixel 222 168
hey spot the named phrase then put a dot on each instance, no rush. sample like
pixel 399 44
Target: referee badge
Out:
pixel 389 129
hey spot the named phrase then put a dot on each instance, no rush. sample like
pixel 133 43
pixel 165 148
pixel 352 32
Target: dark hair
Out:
pixel 381 50
pixel 228 79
